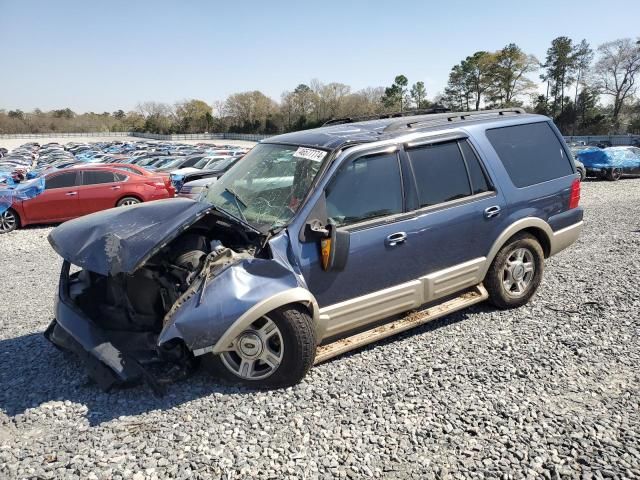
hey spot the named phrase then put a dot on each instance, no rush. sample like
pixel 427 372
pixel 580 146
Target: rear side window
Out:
pixel 64 180
pixel 478 178
pixel 440 173
pixel 367 188
pixel 96 177
pixel 530 153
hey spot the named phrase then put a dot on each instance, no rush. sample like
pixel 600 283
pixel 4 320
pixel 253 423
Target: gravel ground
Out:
pixel 550 390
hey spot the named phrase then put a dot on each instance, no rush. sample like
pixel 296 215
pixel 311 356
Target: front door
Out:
pixel 366 199
pixel 59 200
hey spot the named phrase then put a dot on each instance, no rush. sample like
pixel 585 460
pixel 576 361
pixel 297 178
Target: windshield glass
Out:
pixel 266 187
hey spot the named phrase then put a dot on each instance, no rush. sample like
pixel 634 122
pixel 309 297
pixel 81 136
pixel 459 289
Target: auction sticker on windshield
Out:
pixel 310 154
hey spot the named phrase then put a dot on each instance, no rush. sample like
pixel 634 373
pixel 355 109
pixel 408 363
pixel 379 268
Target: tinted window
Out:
pixel 366 188
pixel 190 163
pixel 64 180
pixel 479 182
pixel 530 153
pixel 441 175
pixel 95 177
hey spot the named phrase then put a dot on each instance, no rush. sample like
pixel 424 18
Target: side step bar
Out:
pixel 414 319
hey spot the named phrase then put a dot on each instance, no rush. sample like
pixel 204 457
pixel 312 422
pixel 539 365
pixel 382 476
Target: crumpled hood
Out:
pixel 121 239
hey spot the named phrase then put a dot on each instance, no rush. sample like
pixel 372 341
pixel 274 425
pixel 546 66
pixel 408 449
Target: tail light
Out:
pixel 574 197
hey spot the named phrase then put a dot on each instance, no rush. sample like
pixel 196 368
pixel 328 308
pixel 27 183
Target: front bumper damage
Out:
pixel 111 358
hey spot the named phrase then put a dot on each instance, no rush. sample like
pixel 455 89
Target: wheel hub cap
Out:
pixel 250 346
pixel 518 273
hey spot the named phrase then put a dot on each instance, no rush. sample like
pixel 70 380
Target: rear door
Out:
pixel 100 190
pixel 58 202
pixel 458 215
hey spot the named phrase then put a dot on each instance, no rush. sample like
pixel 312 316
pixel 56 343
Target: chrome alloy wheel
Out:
pixel 8 221
pixel 129 201
pixel 518 272
pixel 257 352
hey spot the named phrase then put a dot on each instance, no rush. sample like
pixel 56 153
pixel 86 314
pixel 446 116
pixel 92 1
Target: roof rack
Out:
pixel 382 116
pixel 453 116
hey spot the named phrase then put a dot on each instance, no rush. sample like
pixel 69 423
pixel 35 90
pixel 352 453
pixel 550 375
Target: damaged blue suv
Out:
pixel 315 243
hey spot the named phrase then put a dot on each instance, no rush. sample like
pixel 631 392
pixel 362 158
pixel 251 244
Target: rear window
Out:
pixel 530 153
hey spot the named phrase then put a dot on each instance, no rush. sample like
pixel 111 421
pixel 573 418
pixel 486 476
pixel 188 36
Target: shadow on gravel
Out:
pixel 33 372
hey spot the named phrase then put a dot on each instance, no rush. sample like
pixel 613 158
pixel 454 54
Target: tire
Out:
pixel 502 281
pixel 126 201
pixel 613 175
pixel 583 174
pixel 294 342
pixel 9 221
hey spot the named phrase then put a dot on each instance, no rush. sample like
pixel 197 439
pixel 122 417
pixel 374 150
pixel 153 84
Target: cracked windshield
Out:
pixel 266 187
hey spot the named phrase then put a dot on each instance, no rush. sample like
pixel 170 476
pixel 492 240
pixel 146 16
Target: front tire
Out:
pixel 9 221
pixel 275 351
pixel 516 272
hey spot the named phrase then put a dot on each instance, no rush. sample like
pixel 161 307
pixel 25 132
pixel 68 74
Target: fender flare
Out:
pixel 286 297
pixel 511 230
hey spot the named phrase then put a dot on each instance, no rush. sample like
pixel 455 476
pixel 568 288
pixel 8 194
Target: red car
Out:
pixel 73 192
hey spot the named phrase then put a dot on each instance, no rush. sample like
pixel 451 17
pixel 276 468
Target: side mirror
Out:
pixel 334 248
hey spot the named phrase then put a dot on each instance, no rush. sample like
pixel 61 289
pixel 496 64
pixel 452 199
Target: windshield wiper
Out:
pixel 238 201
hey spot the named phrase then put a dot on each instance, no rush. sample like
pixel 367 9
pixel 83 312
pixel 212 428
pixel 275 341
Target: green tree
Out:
pixel 419 94
pixel 560 66
pixel 395 96
pixel 508 75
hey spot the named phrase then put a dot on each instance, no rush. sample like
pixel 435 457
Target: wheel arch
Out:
pixel 531 225
pixel 295 296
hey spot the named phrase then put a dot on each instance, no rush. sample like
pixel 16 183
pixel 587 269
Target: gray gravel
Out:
pixel 551 390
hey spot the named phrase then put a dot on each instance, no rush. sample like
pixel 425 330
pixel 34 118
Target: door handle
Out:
pixel 71 194
pixel 491 212
pixel 396 238
pixel 117 187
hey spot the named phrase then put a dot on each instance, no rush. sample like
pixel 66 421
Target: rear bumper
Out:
pixel 566 236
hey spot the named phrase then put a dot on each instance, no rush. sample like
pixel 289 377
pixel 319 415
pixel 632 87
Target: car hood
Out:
pixel 122 239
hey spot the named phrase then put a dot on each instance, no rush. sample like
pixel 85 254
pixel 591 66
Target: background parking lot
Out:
pixel 549 389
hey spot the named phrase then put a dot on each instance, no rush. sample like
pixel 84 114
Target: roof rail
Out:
pixel 381 116
pixel 453 116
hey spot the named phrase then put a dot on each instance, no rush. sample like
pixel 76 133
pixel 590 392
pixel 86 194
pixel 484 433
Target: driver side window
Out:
pixel 366 188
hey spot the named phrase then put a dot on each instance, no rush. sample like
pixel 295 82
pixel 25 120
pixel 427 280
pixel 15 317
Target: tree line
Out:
pixel 585 91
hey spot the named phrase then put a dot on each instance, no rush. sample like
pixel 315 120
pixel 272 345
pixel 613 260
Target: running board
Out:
pixel 414 319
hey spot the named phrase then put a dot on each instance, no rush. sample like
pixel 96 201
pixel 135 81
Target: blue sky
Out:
pixel 97 55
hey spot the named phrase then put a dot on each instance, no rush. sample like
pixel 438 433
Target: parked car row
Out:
pixel 53 183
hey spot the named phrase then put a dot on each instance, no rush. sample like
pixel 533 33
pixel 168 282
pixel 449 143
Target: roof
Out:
pixel 333 137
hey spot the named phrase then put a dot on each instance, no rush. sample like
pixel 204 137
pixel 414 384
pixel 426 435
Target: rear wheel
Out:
pixel 8 221
pixel 277 350
pixel 583 173
pixel 614 174
pixel 126 201
pixel 516 272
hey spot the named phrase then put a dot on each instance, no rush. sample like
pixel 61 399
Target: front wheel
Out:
pixel 277 350
pixel 8 221
pixel 126 201
pixel 516 272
